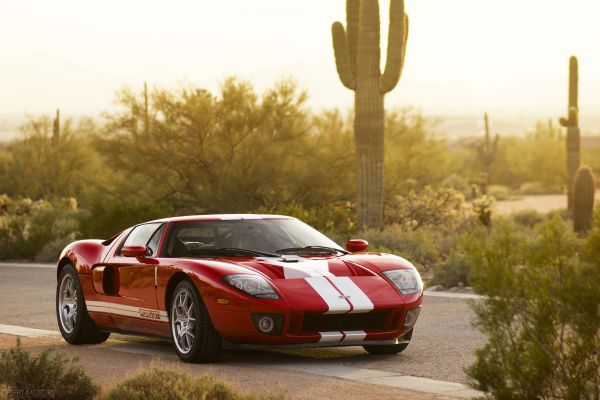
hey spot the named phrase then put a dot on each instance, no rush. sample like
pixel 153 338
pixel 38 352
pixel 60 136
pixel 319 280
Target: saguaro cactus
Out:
pixel 56 127
pixel 573 132
pixel 487 149
pixel 584 191
pixel 357 55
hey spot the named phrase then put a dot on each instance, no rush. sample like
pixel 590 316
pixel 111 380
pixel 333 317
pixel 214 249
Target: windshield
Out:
pixel 215 238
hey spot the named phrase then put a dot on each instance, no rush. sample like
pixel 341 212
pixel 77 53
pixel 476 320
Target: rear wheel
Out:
pixel 75 325
pixel 390 348
pixel 192 331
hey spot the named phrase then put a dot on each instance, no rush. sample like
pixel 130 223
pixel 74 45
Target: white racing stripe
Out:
pixel 342 337
pixel 336 303
pixel 359 300
pixel 127 311
pixel 331 337
pixel 354 336
pixel 301 267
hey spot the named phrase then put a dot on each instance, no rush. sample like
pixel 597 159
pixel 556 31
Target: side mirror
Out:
pixel 138 252
pixel 357 245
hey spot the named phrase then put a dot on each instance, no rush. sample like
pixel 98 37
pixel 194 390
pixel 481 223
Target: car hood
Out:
pixel 332 284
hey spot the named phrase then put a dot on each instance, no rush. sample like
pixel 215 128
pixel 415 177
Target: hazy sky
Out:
pixel 465 56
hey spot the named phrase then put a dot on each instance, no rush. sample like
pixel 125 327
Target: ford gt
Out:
pixel 228 281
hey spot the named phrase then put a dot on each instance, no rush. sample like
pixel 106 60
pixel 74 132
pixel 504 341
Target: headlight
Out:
pixel 253 285
pixel 408 281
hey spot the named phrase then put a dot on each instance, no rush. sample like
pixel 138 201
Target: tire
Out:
pixel 390 348
pixel 75 325
pixel 192 331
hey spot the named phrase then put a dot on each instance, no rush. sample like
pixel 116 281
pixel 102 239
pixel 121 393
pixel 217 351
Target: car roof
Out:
pixel 222 217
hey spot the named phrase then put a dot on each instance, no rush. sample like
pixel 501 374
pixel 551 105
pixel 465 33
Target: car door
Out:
pixel 129 282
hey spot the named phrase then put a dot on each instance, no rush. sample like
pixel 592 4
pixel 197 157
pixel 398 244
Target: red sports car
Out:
pixel 215 281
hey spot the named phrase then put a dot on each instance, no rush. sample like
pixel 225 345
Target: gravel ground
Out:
pixel 101 366
pixel 442 345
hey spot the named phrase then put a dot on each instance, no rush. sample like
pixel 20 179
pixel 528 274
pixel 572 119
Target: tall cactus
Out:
pixel 584 191
pixel 487 149
pixel 357 55
pixel 573 132
pixel 56 127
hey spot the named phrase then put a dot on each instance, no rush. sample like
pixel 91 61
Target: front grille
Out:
pixel 374 320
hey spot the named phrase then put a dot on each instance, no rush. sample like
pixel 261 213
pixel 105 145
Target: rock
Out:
pixel 436 288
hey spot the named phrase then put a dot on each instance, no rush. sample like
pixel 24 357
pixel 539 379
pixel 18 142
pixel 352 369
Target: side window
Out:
pixel 155 241
pixel 141 235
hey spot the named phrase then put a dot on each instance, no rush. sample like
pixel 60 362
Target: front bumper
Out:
pixel 309 329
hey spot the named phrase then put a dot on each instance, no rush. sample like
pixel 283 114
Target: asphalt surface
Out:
pixel 442 346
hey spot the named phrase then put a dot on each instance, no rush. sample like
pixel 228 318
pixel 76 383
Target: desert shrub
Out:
pixel 499 192
pixel 38 166
pixel 531 158
pixel 458 183
pixel 173 384
pixel 540 314
pixel 451 272
pixel 420 247
pixel 453 269
pixel 37 230
pixel 109 216
pixel 336 219
pixel 413 151
pixel 483 208
pixel 533 188
pixel 528 218
pixel 50 375
pixel 425 207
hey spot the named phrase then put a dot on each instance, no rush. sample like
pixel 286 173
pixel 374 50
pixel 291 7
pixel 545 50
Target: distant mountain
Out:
pixel 454 127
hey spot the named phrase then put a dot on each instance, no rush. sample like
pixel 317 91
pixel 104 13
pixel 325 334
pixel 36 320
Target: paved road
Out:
pixel 443 343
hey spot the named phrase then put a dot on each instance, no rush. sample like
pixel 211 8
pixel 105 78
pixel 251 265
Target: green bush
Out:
pixel 527 218
pixel 419 247
pixel 37 230
pixel 425 207
pixel 540 314
pixel 499 192
pixel 50 375
pixel 170 384
pixel 536 188
pixel 334 219
pixel 109 216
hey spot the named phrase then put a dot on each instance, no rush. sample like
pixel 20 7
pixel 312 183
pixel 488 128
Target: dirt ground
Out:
pixel 542 203
pixel 107 368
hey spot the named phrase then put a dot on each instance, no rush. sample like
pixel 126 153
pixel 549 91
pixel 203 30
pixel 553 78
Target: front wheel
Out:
pixel 192 331
pixel 75 325
pixel 390 348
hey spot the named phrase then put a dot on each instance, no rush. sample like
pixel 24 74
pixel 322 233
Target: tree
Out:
pixel 203 153
pixel 44 165
pixel 540 313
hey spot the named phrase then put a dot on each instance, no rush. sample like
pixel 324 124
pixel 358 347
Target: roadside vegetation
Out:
pixel 52 375
pixel 161 383
pixel 541 312
pixel 49 375
pixel 188 151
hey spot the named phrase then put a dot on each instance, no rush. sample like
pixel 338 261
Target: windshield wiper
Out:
pixel 308 249
pixel 217 251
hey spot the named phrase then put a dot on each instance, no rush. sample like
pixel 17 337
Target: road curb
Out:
pixel 15 330
pixel 26 265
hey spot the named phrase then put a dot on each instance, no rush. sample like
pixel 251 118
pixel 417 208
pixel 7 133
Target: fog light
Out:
pixel 411 317
pixel 266 324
